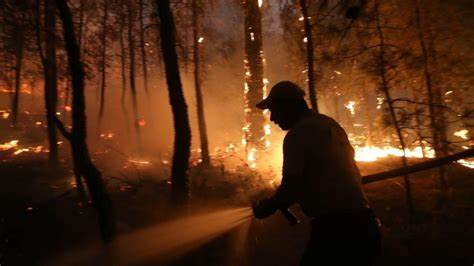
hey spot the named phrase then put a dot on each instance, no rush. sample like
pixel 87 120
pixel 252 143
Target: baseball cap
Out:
pixel 282 91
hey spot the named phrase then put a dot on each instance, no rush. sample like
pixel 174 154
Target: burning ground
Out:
pixel 44 220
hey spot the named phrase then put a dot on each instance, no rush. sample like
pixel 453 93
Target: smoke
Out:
pixel 222 87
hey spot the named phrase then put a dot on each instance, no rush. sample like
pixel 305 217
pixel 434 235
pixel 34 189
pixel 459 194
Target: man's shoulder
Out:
pixel 312 127
pixel 306 128
pixel 313 122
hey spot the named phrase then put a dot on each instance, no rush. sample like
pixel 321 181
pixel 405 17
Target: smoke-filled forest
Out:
pixel 130 133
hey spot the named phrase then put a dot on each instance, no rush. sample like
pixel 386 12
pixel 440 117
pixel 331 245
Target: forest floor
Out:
pixel 42 216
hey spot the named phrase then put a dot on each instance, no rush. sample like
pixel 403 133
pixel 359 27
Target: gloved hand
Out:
pixel 264 208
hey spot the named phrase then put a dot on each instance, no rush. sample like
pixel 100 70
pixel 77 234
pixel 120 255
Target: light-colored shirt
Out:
pixel 319 170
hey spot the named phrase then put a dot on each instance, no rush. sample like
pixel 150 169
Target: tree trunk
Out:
pixel 123 62
pixel 254 133
pixel 182 139
pixel 80 153
pixel 103 61
pixel 50 78
pixel 142 45
pixel 19 50
pixel 434 98
pixel 122 54
pixel 309 55
pixel 80 36
pixel 197 85
pixel 385 88
pixel 131 55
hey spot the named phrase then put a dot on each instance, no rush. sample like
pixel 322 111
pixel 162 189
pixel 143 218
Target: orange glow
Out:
pixel 372 153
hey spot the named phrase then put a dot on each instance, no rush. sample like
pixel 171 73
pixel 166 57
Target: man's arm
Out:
pixel 291 186
pixel 288 192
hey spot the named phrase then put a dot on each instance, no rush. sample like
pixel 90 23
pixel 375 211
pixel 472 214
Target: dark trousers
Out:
pixel 344 238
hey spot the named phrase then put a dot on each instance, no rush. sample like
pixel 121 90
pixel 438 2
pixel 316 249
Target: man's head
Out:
pixel 286 103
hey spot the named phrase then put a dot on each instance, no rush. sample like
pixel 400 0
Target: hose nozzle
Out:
pixel 290 216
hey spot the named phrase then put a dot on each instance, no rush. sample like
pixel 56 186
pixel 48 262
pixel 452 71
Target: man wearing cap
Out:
pixel 320 174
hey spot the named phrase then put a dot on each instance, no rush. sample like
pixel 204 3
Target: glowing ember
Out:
pixel 267 143
pixel 305 39
pixel 267 129
pixel 251 158
pixel 350 106
pixel 25 89
pixel 107 135
pixel 380 101
pixel 36 149
pixel 38 123
pixel 201 39
pixel 467 163
pixel 19 151
pixel 5 114
pixel 462 133
pixel 141 122
pixel 139 161
pixel 230 148
pixel 67 108
pixel 9 145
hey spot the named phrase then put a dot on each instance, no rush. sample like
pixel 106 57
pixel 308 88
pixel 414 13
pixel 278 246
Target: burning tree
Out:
pixel 255 85
pixel 308 39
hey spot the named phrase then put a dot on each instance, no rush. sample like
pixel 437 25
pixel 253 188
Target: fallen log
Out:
pixel 417 167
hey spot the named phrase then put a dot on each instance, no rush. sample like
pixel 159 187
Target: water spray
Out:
pixel 164 241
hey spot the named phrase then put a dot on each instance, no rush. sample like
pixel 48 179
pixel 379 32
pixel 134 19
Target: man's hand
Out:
pixel 264 208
